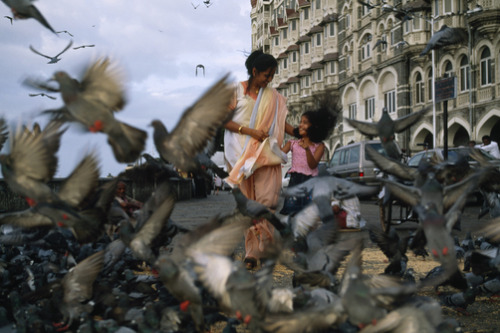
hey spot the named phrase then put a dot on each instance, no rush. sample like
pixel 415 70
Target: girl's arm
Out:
pixel 313 159
pixel 286 147
pixel 289 129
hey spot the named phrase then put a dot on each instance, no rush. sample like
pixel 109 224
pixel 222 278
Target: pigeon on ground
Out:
pixel 386 128
pixel 198 124
pixel 393 246
pixel 444 37
pixel 55 58
pixel 93 102
pixel 24 9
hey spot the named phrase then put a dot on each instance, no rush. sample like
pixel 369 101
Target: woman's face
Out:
pixel 262 79
pixel 304 125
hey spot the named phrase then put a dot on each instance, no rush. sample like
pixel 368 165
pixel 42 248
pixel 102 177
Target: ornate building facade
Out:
pixel 370 56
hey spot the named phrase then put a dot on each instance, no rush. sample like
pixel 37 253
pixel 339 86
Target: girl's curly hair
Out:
pixel 323 118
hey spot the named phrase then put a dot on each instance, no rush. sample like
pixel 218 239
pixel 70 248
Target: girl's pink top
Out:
pixel 299 159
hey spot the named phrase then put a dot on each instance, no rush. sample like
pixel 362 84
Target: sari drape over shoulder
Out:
pixel 268 114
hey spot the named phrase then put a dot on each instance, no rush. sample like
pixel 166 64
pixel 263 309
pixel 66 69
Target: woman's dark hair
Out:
pixel 261 61
pixel 324 118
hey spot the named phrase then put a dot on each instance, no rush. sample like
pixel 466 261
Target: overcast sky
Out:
pixel 158 43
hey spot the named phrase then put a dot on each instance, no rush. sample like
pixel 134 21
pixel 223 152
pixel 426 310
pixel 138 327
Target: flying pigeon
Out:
pixel 42 94
pixel 31 161
pixel 402 43
pixel 444 37
pixel 201 67
pixel 92 103
pixel 379 42
pixel 55 58
pixel 24 9
pixel 9 18
pixel 64 31
pixel 83 46
pixel 386 128
pixel 198 124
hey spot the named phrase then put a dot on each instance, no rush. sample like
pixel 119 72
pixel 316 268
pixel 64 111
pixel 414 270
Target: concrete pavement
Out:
pixel 191 213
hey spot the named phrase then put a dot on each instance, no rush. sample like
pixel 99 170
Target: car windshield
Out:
pixel 378 147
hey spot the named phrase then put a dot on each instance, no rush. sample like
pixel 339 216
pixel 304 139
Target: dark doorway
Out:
pixel 461 137
pixel 495 132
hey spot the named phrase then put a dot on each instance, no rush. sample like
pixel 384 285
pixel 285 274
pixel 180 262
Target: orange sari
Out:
pixel 258 170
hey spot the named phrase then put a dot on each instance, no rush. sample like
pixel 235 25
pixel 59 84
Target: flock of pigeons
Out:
pixel 61 271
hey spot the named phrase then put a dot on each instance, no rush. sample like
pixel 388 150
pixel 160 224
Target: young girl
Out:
pixel 314 127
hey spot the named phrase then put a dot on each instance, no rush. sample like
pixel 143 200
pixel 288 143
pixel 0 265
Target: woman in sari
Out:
pixel 252 142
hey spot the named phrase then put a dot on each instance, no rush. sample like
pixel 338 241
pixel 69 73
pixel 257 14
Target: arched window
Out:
pixel 464 74
pixel 419 89
pixel 429 85
pixel 366 47
pixel 448 69
pixel 486 73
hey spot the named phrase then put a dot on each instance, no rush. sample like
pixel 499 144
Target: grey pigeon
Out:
pixel 323 188
pixel 254 209
pixel 379 42
pixel 24 9
pixel 77 286
pixel 64 31
pixel 42 94
pixel 361 306
pixel 386 128
pixel 93 102
pixel 153 217
pixel 83 46
pixel 31 161
pixel 4 134
pixel 55 58
pixel 444 37
pixel 197 126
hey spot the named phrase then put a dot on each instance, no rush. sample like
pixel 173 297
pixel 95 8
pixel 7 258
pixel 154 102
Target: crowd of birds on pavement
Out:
pixel 61 270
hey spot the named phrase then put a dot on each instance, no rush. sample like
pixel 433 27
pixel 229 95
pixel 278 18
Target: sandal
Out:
pixel 250 263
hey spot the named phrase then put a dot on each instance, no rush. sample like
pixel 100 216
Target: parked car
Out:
pixel 352 162
pixel 453 154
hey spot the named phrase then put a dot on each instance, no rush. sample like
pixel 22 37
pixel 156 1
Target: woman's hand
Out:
pixel 259 135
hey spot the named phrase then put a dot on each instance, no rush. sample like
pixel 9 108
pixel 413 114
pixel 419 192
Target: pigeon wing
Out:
pixel 403 123
pixel 198 124
pixel 366 128
pixel 102 83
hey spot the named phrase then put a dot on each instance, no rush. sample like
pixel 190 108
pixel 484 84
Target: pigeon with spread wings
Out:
pixel 92 103
pixel 198 124
pixel 386 128
pixel 55 58
pixel 23 9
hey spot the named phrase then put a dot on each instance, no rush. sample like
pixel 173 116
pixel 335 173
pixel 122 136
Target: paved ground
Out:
pixel 195 211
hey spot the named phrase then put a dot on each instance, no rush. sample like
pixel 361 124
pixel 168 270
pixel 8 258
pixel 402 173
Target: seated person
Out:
pixel 128 204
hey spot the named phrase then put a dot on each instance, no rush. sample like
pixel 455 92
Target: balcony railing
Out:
pixel 463 99
pixel 485 94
